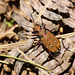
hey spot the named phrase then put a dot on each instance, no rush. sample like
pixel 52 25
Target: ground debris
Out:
pixel 54 14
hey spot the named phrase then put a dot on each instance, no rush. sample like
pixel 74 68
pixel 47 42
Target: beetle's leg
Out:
pixel 33 36
pixel 32 17
pixel 36 47
pixel 65 48
pixel 38 43
pixel 56 60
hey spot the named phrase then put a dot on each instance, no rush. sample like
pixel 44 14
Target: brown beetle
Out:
pixel 47 38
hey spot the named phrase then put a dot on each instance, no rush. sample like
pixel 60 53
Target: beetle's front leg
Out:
pixel 38 43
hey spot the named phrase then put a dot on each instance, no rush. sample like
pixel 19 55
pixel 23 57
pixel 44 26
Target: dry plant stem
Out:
pixel 8 31
pixel 25 61
pixel 12 45
pixel 73 49
pixel 69 40
pixel 3 27
pixel 66 35
pixel 4 62
pixel 41 13
pixel 2 3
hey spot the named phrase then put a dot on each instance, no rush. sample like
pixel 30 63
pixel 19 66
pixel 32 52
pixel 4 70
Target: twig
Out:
pixel 8 31
pixel 25 61
pixel 4 62
pixel 66 35
pixel 12 45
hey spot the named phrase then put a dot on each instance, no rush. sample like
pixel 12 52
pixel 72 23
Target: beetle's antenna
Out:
pixel 56 60
pixel 32 17
pixel 43 23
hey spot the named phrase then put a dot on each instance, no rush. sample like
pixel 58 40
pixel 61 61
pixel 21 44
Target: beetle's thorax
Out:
pixel 40 30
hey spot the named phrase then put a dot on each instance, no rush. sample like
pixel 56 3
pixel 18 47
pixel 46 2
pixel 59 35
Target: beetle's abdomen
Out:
pixel 50 42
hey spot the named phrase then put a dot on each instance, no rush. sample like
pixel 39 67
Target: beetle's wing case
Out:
pixel 54 39
pixel 50 42
pixel 48 39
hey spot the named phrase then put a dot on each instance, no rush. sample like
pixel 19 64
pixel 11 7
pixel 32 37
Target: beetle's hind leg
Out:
pixel 66 48
pixel 64 45
pixel 56 60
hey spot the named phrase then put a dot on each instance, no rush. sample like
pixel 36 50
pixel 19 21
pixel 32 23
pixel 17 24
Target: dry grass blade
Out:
pixel 66 35
pixel 4 62
pixel 55 14
pixel 12 45
pixel 43 10
pixel 3 27
pixel 10 31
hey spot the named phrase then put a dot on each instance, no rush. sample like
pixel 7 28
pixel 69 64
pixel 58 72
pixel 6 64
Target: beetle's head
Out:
pixel 37 27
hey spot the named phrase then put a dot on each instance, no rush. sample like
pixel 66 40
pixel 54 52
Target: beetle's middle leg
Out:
pixel 37 44
pixel 56 60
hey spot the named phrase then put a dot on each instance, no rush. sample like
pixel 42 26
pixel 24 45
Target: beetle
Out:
pixel 47 38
